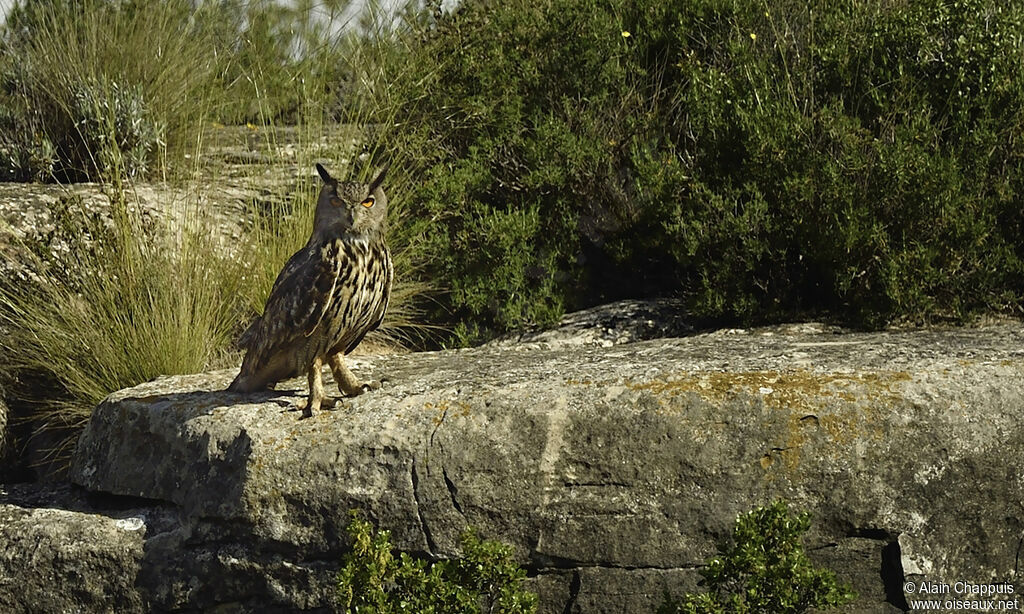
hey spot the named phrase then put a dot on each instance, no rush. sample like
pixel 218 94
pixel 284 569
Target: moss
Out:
pixel 459 409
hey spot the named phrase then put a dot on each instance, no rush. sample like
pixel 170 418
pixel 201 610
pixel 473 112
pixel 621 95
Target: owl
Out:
pixel 328 296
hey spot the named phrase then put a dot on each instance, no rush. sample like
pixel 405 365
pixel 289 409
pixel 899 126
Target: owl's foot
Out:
pixel 316 391
pixel 349 384
pixel 308 406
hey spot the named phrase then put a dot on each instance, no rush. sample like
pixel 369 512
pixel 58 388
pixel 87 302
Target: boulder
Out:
pixel 66 560
pixel 613 471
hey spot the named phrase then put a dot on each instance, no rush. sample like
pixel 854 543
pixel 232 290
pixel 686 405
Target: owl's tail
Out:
pixel 247 380
pixel 251 379
pixel 241 383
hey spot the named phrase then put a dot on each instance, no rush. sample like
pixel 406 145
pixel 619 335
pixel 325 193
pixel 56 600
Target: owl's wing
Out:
pixel 301 296
pixel 262 328
pixel 319 300
pixel 389 275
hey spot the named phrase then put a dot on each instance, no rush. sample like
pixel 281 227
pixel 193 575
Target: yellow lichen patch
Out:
pixel 840 408
pixel 444 407
pixel 795 389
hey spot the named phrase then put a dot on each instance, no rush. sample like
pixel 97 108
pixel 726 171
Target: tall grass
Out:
pixel 123 303
pixel 102 79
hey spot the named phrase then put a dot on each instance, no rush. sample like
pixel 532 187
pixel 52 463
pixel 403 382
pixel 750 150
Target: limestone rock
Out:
pixel 60 560
pixel 613 471
pixel 607 325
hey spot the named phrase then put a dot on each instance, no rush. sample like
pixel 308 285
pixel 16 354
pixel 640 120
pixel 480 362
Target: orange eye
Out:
pixel 368 202
pixel 336 202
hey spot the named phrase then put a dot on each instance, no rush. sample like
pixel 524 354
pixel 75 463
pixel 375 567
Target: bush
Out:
pixel 25 153
pixel 859 161
pixel 286 62
pixel 765 570
pixel 485 579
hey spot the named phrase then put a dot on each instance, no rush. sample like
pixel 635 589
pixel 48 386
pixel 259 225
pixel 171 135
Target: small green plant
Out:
pixel 373 580
pixel 765 571
pixel 25 154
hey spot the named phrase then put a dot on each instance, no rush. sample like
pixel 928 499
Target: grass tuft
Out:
pixel 112 299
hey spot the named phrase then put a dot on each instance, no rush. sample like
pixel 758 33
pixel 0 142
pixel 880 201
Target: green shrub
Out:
pixel 25 154
pixel 764 571
pixel 374 580
pixel 859 161
pixel 286 61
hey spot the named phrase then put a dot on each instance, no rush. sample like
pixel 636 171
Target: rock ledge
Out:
pixel 612 470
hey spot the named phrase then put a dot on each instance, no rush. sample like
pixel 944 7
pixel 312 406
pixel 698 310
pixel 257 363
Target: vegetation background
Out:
pixel 858 161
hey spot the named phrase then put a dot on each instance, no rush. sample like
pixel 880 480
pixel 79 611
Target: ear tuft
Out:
pixel 324 174
pixel 380 177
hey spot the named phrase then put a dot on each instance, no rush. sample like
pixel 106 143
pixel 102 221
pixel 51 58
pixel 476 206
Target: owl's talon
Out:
pixel 370 385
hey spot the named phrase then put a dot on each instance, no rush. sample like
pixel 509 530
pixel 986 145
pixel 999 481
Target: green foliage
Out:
pixel 25 154
pixel 287 60
pixel 765 571
pixel 101 87
pixel 860 160
pixel 373 580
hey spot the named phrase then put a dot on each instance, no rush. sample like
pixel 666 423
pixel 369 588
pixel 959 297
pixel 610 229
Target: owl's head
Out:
pixel 347 206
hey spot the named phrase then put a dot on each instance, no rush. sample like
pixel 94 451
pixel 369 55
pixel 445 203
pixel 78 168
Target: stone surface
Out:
pixel 607 325
pixel 62 560
pixel 613 471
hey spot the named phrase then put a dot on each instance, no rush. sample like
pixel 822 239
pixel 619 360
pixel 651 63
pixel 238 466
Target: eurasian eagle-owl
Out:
pixel 328 296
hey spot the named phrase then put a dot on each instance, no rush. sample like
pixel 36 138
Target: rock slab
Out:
pixel 613 471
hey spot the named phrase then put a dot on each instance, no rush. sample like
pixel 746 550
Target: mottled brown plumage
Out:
pixel 328 296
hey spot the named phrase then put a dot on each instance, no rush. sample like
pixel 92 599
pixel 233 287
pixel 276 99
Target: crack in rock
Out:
pixel 440 421
pixel 431 545
pixel 574 592
pixel 452 492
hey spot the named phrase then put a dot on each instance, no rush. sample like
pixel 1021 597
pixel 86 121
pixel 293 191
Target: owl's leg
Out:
pixel 349 384
pixel 316 389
